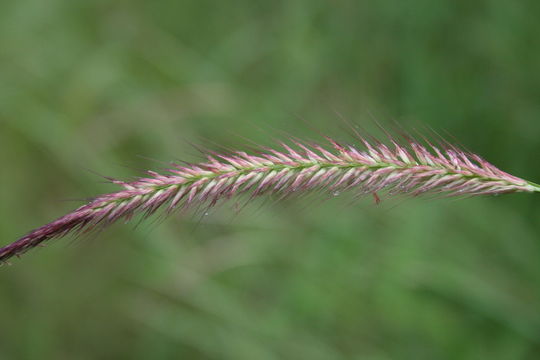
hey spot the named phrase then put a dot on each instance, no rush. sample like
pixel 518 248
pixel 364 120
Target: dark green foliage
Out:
pixel 93 84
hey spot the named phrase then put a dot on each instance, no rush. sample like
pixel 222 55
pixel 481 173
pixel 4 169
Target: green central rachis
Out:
pixel 239 171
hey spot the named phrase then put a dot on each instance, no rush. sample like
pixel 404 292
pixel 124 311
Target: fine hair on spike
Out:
pixel 370 167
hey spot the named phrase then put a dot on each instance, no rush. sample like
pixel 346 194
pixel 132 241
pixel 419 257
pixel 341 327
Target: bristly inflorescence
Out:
pixel 412 169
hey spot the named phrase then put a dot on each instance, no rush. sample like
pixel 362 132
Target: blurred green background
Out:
pixel 101 86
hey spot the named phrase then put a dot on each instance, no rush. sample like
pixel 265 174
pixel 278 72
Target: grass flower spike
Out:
pixel 411 169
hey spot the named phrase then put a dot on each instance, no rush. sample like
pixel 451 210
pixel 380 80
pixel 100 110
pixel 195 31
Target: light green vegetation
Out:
pixel 93 84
